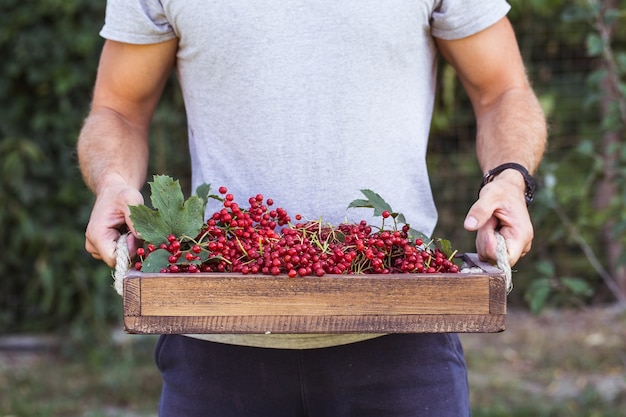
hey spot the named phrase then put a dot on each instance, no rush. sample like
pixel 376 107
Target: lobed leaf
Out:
pixel 377 202
pixel 171 214
pixel 156 261
pixel 360 203
pixel 149 224
pixel 204 192
pixel 166 196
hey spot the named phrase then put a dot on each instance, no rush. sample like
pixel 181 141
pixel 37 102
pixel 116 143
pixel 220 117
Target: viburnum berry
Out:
pixel 259 240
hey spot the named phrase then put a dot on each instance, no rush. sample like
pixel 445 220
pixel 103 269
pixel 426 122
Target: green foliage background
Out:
pixel 50 51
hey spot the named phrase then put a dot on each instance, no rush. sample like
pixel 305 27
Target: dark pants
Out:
pixel 390 376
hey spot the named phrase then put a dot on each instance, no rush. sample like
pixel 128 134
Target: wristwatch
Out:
pixel 531 184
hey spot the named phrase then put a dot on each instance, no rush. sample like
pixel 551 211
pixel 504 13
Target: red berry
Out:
pixel 245 240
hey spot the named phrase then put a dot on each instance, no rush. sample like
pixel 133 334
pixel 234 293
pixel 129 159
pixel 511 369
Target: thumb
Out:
pixel 476 217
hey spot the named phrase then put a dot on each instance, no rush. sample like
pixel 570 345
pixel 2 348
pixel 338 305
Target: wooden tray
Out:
pixel 398 303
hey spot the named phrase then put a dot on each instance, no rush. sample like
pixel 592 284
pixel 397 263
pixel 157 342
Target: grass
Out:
pixel 558 364
pixel 112 380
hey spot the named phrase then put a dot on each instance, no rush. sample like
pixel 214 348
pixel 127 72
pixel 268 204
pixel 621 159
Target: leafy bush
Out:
pixel 50 54
pixel 49 58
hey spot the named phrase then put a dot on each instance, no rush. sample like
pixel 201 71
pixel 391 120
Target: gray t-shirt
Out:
pixel 308 102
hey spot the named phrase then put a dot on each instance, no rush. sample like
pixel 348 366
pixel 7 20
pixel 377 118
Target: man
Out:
pixel 308 102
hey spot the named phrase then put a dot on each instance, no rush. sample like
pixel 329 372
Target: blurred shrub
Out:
pixel 49 56
pixel 50 52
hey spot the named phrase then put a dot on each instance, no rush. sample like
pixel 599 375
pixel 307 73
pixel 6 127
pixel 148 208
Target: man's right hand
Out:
pixel 110 217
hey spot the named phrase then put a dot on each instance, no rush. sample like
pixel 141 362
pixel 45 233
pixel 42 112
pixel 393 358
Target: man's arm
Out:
pixel 511 128
pixel 113 143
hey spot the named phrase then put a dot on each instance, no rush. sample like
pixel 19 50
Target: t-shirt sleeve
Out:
pixel 456 19
pixel 136 21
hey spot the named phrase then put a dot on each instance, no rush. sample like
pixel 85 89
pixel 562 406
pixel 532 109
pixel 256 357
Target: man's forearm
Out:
pixel 512 129
pixel 111 149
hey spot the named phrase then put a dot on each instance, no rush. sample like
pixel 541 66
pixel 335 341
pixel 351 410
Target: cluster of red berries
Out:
pixel 246 241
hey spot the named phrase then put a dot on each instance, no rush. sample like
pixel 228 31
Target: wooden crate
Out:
pixel 234 303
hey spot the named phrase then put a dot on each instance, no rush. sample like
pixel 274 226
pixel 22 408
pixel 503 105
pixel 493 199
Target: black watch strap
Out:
pixel 531 184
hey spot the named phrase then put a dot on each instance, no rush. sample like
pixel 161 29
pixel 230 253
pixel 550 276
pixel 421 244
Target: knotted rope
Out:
pixel 502 261
pixel 122 265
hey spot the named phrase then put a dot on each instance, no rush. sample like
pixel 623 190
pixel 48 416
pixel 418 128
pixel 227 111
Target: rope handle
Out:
pixel 122 265
pixel 502 261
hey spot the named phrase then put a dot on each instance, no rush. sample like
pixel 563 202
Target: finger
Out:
pixel 103 249
pixel 477 216
pixel 517 247
pixel 486 242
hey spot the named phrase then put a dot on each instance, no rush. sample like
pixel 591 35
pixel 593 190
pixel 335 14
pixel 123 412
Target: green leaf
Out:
pixel 446 247
pixel 156 261
pixel 204 192
pixel 545 269
pixel 359 203
pixel 577 286
pixel 537 294
pixel 595 45
pixel 171 214
pixel 611 16
pixel 377 202
pixel 167 197
pixel 190 218
pixel 399 218
pixel 149 224
pixel 416 234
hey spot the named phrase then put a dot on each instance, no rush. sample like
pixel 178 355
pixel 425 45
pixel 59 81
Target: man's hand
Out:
pixel 501 206
pixel 109 218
